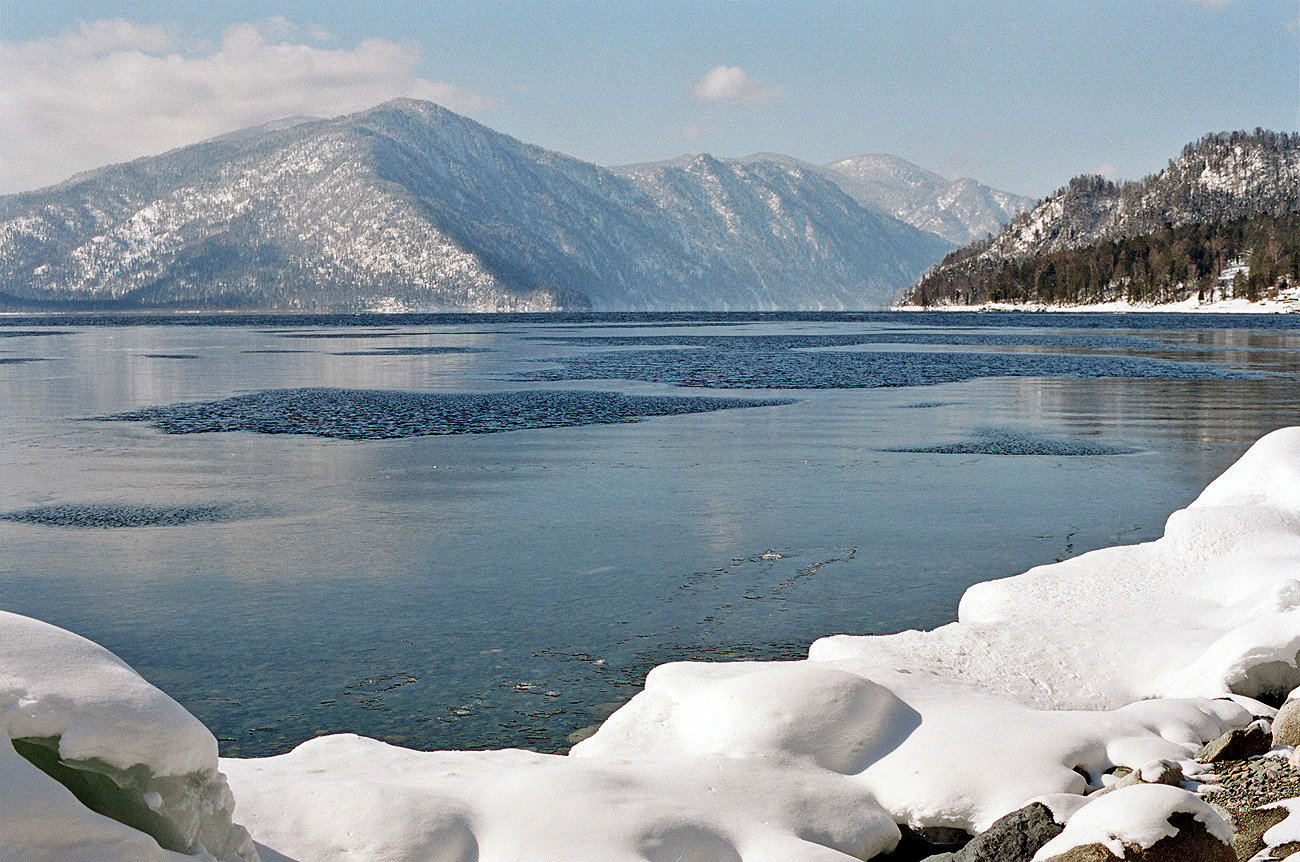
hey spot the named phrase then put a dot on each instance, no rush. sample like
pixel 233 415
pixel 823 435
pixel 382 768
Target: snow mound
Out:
pixel 345 797
pixel 97 763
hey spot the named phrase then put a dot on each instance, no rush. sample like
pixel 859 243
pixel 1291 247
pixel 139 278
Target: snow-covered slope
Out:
pixel 409 205
pixel 960 210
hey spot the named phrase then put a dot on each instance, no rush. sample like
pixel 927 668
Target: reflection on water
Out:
pixel 483 590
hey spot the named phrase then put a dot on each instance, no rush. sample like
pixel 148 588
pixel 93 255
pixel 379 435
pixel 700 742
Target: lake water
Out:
pixel 471 532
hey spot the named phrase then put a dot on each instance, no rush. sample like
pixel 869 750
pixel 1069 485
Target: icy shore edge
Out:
pixel 1047 683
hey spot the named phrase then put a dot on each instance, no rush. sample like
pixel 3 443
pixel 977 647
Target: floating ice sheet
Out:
pixel 364 414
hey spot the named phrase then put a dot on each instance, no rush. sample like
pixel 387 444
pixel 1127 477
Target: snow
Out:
pixel 1136 816
pixel 1046 683
pixel 73 701
pixel 1286 832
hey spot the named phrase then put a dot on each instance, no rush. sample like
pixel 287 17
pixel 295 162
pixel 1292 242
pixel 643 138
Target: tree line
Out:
pixel 1167 265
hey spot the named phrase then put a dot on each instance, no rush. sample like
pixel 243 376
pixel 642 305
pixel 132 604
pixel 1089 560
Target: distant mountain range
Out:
pixel 408 206
pixel 1227 198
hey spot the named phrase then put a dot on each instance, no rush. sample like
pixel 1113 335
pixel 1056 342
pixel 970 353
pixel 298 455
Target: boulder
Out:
pixel 1192 843
pixel 1238 744
pixel 1143 823
pixel 1286 724
pixel 1013 838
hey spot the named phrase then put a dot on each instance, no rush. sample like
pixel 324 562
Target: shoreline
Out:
pixel 1287 305
pixel 1155 650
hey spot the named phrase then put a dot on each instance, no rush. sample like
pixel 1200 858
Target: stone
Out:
pixel 1192 843
pixel 1238 744
pixel 1015 837
pixel 1286 724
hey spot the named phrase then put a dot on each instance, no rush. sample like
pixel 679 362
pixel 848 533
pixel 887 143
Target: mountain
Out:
pixel 1224 195
pixel 960 211
pixel 410 206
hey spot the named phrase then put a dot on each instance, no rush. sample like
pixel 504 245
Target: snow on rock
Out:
pixel 72 711
pixel 1139 817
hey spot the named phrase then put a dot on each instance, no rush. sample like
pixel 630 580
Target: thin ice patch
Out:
pixel 116 515
pixel 798 369
pixel 363 414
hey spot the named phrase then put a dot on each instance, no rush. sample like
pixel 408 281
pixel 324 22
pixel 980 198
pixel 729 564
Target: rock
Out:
pixel 1238 744
pixel 1013 838
pixel 1162 772
pixel 941 835
pixel 1192 843
pixel 1156 772
pixel 1286 724
pixel 1248 830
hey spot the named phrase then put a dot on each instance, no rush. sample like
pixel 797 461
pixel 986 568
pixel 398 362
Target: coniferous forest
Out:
pixel 1168 265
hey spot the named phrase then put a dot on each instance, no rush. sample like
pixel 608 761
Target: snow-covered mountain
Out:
pixel 410 206
pixel 960 211
pixel 1222 176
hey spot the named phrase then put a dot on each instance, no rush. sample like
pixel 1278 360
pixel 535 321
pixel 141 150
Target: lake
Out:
pixel 481 531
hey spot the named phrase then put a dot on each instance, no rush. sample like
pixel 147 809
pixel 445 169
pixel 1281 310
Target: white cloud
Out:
pixel 115 90
pixel 692 131
pixel 730 83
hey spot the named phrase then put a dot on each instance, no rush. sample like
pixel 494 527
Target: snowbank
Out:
pixel 73 711
pixel 1047 682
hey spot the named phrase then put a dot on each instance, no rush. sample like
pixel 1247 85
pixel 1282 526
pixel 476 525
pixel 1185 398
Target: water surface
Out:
pixel 460 531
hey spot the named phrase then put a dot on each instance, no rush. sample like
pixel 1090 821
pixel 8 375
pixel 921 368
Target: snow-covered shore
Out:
pixel 1286 303
pixel 1047 683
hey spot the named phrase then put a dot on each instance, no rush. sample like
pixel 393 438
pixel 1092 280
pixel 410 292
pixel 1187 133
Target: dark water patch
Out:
pixel 19 360
pixel 793 369
pixel 996 441
pixel 1060 320
pixel 332 334
pixel 117 515
pixel 357 414
pixel 926 405
pixel 171 356
pixel 30 333
pixel 794 341
pixel 434 350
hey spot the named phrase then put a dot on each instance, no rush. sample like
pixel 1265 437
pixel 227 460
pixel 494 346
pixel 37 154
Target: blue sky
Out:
pixel 1020 95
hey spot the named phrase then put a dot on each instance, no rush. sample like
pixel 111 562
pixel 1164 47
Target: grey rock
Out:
pixel 1191 843
pixel 1013 838
pixel 1286 724
pixel 1237 744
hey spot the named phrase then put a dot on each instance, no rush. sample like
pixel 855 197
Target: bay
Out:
pixel 455 531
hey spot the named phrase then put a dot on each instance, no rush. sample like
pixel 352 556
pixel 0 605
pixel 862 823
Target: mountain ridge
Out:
pixel 410 206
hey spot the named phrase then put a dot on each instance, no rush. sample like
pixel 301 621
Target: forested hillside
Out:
pixel 1219 223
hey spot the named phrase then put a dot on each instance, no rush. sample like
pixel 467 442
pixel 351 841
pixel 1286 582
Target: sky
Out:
pixel 1019 95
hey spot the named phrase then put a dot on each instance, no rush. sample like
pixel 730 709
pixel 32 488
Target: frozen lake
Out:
pixel 474 532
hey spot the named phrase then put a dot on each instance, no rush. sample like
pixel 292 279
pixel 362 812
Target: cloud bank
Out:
pixel 116 90
pixel 731 84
